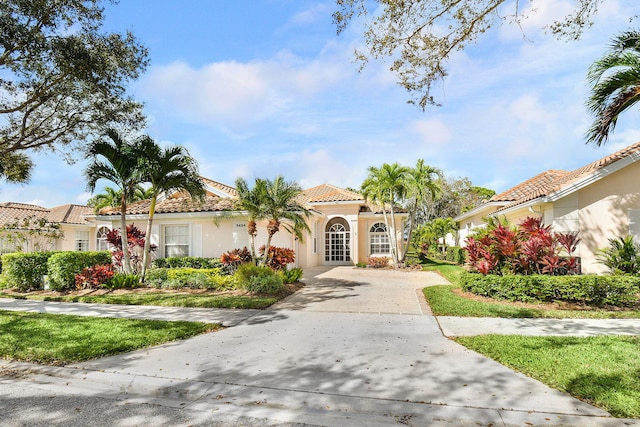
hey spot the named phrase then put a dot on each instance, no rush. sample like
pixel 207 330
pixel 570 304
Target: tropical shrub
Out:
pixel 25 270
pixel 291 276
pixel 455 254
pixel 233 259
pixel 94 277
pixel 123 281
pixel 622 256
pixel 529 248
pixel 590 290
pixel 187 262
pixel 135 240
pixel 278 257
pixel 259 279
pixel 156 277
pixel 63 266
pixel 378 262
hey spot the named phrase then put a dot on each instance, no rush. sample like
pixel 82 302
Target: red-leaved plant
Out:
pixel 135 240
pixel 529 248
pixel 94 277
pixel 278 257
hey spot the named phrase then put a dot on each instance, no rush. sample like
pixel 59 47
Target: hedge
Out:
pixel 187 262
pixel 592 290
pixel 63 266
pixel 24 270
pixel 176 278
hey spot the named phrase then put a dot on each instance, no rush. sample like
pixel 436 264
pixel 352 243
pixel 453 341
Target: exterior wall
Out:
pixel 604 210
pixel 364 227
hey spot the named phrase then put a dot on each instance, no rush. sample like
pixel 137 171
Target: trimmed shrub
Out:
pixel 25 270
pixel 598 291
pixel 63 266
pixel 456 254
pixel 258 279
pixel 187 262
pixel 177 278
pixel 291 276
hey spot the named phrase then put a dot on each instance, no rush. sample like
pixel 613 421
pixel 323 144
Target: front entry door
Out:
pixel 337 249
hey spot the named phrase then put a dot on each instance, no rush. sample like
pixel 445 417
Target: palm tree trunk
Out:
pixel 412 220
pixel 394 236
pixel 147 238
pixel 126 259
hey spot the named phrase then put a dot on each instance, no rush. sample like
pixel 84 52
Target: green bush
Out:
pixel 177 278
pixel 63 266
pixel 598 291
pixel 156 277
pixel 291 276
pixel 259 279
pixel 25 270
pixel 456 254
pixel 187 262
pixel 123 281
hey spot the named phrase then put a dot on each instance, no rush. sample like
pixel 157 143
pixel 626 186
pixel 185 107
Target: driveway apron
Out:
pixel 356 341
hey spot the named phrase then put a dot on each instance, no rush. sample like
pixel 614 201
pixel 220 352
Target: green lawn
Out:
pixel 161 299
pixel 63 339
pixel 603 370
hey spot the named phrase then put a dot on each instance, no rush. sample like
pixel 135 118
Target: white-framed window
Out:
pixel 176 241
pixel 82 240
pixel 101 239
pixel 379 239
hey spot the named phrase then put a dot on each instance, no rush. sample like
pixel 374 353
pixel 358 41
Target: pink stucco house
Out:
pixel 600 200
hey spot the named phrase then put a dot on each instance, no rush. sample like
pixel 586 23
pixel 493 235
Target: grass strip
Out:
pixel 603 371
pixel 62 339
pixel 162 300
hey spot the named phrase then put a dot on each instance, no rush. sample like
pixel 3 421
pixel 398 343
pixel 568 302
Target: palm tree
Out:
pixel 116 161
pixel 166 169
pixel 111 197
pixel 281 204
pixel 615 80
pixel 422 182
pixel 386 186
pixel 253 201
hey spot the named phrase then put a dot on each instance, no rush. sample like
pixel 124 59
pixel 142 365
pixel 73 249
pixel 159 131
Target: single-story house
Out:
pixel 600 200
pixel 71 221
pixel 345 229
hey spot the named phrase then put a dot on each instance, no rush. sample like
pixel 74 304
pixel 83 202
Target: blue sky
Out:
pixel 257 88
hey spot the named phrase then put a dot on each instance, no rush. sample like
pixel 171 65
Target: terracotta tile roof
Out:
pixel 552 181
pixel 539 184
pixel 178 204
pixel 231 191
pixel 65 214
pixel 328 193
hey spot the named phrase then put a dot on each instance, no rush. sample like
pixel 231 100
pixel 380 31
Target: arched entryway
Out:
pixel 337 242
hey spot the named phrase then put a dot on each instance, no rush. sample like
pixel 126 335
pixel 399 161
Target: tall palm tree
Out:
pixel 281 204
pixel 253 201
pixel 166 169
pixel 422 184
pixel 615 80
pixel 115 160
pixel 386 186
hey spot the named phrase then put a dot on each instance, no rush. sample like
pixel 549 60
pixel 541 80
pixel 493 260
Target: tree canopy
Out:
pixel 62 79
pixel 419 36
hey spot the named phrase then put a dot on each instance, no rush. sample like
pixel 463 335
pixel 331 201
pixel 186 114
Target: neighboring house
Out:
pixel 344 229
pixel 600 201
pixel 77 230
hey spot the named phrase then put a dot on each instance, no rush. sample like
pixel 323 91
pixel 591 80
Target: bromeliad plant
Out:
pixel 529 248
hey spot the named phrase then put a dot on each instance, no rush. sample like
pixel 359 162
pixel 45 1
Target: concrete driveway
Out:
pixel 354 347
